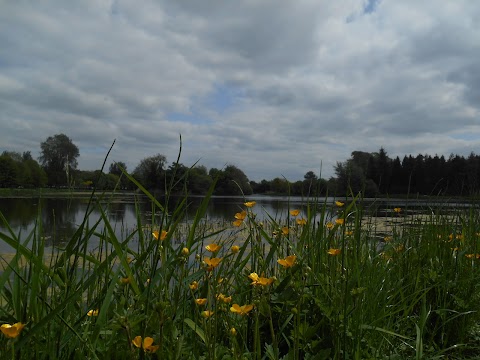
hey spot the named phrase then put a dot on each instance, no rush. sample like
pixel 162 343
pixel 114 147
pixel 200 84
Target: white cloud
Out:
pixel 306 82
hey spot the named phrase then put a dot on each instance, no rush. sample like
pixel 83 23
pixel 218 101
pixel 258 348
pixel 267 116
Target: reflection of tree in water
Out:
pixel 20 213
pixel 220 208
pixel 58 219
pixel 116 212
pixel 217 207
pixel 61 217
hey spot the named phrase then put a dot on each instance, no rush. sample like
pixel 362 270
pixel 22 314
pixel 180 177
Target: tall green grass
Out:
pixel 353 292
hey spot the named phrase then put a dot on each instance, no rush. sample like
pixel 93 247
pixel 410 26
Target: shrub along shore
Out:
pixel 325 282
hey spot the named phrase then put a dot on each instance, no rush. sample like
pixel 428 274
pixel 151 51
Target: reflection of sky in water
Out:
pixel 62 217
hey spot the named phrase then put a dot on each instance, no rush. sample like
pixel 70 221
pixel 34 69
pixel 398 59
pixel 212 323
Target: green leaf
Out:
pixel 370 327
pixel 196 328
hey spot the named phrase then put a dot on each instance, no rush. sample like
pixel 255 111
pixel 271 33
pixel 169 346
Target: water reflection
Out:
pixel 60 218
pixel 20 213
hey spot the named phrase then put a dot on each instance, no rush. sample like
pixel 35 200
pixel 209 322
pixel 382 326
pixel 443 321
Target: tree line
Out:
pixel 370 173
pixel 377 173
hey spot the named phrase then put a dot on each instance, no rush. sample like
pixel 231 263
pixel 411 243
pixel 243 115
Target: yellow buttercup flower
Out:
pixel 233 331
pixel 146 344
pixel 262 281
pixel 207 313
pixel 92 313
pixel 339 203
pixel 137 341
pixel 160 236
pixel 301 222
pixel 235 249
pixel 288 262
pixel 212 263
pixel 201 301
pixel 213 248
pixel 239 218
pixel 349 233
pixel 340 221
pixel 397 210
pixel 241 215
pixel 294 212
pixel 334 252
pixel 193 285
pixel 285 230
pixel 224 299
pixel 241 310
pixel 329 225
pixel 12 331
pixel 185 251
pixel 250 204
pixel 237 223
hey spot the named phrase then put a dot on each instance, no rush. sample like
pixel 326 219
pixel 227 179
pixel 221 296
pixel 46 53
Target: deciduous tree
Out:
pixel 58 157
pixel 150 172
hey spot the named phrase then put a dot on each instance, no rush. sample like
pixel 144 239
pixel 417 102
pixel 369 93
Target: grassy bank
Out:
pixel 324 283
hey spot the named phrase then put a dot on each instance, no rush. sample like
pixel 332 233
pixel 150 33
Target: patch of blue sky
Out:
pixel 466 136
pixel 370 6
pixel 220 100
pixel 223 98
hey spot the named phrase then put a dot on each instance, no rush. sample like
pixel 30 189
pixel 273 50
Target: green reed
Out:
pixel 349 289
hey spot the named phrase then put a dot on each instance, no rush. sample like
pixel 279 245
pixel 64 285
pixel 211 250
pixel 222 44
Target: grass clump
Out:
pixel 320 284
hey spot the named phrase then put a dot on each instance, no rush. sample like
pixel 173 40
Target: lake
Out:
pixel 60 217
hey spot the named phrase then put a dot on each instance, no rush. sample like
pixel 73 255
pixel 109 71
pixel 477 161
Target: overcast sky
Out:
pixel 276 88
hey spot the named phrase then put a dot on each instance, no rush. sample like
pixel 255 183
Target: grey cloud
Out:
pixel 310 86
pixel 469 77
pixel 267 37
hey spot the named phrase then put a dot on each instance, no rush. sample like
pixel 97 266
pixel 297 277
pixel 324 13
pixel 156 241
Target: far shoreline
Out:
pixel 16 193
pixel 60 193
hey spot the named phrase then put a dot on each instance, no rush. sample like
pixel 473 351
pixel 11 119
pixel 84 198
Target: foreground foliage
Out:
pixel 322 283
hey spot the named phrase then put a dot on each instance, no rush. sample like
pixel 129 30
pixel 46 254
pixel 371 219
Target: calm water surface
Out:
pixel 61 217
